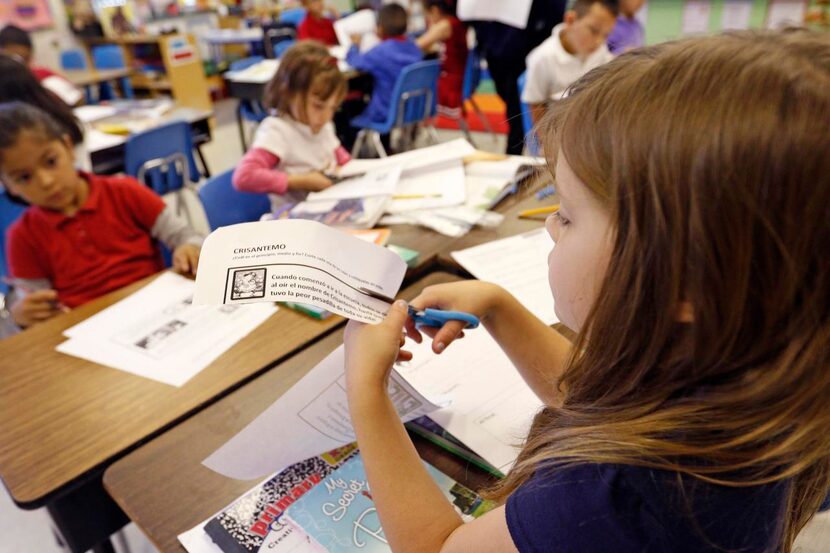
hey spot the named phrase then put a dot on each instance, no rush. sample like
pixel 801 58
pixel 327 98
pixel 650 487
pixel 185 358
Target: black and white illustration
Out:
pixel 248 284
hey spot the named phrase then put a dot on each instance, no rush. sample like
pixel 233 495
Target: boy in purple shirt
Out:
pixel 386 60
pixel 628 33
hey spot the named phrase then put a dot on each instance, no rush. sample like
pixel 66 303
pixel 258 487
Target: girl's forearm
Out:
pixel 413 511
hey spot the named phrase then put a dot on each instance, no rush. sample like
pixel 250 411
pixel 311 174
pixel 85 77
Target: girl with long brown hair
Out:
pixel 692 412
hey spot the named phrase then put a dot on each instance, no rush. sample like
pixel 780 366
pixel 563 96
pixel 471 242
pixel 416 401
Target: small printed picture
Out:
pixel 248 283
pixel 158 337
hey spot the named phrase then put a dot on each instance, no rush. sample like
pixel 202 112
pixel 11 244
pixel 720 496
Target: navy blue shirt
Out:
pixel 599 508
pixel 384 62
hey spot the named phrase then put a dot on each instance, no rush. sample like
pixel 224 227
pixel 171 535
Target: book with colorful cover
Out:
pixel 254 520
pixel 339 514
pixel 433 432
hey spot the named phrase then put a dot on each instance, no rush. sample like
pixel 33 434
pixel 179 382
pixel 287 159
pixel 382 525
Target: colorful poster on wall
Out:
pixel 26 14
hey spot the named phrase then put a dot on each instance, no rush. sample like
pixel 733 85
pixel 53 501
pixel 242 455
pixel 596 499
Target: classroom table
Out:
pixel 163 486
pixel 63 420
pixel 86 77
pixel 107 155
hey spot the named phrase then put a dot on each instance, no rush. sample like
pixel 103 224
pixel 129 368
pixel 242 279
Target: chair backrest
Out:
pixel 73 58
pixel 280 47
pixel 224 205
pixel 415 94
pixel 274 35
pixel 472 74
pixel 293 16
pixel 163 156
pixel 531 139
pixel 108 56
pixel 245 63
pixel 9 213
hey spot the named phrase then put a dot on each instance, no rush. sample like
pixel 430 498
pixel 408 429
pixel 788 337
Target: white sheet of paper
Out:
pixel 696 17
pixel 261 72
pixel 785 13
pixel 515 15
pixel 736 15
pixel 518 264
pixel 361 22
pixel 88 114
pixel 374 183
pixel 158 334
pixel 491 407
pixel 438 185
pixel 299 261
pixel 309 419
pixel 412 160
pixel 95 140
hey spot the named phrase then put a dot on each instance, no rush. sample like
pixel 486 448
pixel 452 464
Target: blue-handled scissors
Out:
pixel 430 317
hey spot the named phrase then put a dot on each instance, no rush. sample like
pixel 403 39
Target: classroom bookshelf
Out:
pixel 164 65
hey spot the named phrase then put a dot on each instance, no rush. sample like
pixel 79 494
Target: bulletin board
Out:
pixel 30 15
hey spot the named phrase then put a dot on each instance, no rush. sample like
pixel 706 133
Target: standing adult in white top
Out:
pixel 576 46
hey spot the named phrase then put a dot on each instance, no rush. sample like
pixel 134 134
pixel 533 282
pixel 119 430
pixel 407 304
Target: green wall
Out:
pixel 665 18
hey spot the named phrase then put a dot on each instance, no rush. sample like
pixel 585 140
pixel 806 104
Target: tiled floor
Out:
pixel 29 531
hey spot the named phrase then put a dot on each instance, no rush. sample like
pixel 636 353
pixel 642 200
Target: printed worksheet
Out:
pixel 298 261
pixel 488 406
pixel 518 264
pixel 157 333
pixel 310 418
pixel 380 182
pixel 412 160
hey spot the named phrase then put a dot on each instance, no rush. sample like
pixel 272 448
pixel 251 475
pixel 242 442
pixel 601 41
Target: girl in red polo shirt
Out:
pixel 83 235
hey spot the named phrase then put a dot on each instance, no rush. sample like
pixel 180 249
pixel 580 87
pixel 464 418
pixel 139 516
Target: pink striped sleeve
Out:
pixel 342 156
pixel 256 173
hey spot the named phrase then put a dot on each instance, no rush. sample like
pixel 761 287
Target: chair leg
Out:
pixel 482 117
pixel 432 133
pixel 205 168
pixel 358 143
pixel 465 128
pixel 378 144
pixel 241 124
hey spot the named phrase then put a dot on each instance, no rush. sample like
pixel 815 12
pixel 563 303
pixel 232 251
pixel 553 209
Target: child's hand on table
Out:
pixel 372 349
pixel 313 181
pixel 470 296
pixel 186 259
pixel 36 307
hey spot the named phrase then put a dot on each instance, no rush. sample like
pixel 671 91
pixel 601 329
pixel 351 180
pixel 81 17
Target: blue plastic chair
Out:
pixel 224 205
pixel 10 211
pixel 162 157
pixel 110 56
pixel 531 140
pixel 413 101
pixel 281 46
pixel 294 16
pixel 248 110
pixel 74 59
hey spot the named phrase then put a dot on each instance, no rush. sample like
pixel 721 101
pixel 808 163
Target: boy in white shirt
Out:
pixel 576 46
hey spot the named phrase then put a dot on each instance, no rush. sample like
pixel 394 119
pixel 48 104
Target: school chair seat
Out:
pixel 413 101
pixel 531 140
pixel 224 205
pixel 293 16
pixel 10 211
pixel 162 157
pixel 110 56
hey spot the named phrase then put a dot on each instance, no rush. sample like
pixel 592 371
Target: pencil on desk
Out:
pixel 415 196
pixel 539 211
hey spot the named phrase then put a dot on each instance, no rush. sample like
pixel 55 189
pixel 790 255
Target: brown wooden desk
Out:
pixel 86 77
pixel 163 486
pixel 63 420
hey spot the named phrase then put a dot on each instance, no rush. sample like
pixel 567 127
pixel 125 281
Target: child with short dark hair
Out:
pixel 689 252
pixel 447 31
pixel 83 235
pixel 386 60
pixel 576 46
pixel 294 147
pixel 15 42
pixel 315 25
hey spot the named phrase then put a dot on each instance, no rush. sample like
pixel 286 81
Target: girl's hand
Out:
pixel 481 299
pixel 186 259
pixel 36 307
pixel 372 349
pixel 313 181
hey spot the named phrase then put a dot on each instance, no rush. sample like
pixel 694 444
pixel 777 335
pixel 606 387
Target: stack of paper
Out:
pixel 171 340
pixel 518 264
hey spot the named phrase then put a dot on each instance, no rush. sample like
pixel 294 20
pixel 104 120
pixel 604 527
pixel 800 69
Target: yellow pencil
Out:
pixel 415 196
pixel 528 213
